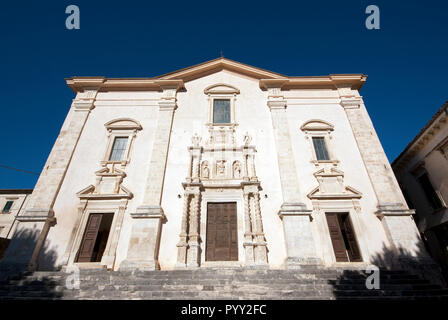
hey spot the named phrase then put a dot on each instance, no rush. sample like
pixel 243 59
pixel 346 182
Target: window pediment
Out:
pixel 317 125
pixel 221 88
pixel 123 124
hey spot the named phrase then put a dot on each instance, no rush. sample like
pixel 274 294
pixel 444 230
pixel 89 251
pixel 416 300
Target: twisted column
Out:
pixel 193 237
pixel 260 249
pixel 182 244
pixel 248 241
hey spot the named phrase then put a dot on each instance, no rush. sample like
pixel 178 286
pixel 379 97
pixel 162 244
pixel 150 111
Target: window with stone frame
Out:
pixel 121 134
pixel 222 100
pixel 319 134
pixel 431 194
pixel 119 148
pixel 7 207
pixel 320 148
pixel 221 111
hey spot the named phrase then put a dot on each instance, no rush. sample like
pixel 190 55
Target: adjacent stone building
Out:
pixel 12 202
pixel 422 171
pixel 219 164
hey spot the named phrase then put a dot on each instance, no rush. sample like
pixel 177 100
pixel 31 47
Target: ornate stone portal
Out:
pixel 221 165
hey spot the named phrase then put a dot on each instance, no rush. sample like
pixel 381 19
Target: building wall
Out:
pixel 428 153
pixel 343 145
pixel 8 221
pixel 91 150
pixel 253 116
pixel 435 164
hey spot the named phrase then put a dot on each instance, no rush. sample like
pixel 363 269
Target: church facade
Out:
pixel 219 164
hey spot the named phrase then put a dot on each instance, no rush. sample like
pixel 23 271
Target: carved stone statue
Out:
pixel 247 139
pixel 205 170
pixel 196 139
pixel 236 170
pixel 221 168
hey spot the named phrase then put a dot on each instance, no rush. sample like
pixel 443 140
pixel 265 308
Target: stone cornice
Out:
pixel 167 105
pixel 218 64
pixel 351 103
pixel 294 209
pixel 277 104
pixel 176 79
pixel 149 212
pixel 437 122
pixel 79 84
pixel 354 81
pixel 36 214
pixel 381 213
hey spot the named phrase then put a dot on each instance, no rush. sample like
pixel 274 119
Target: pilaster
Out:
pixel 193 236
pixel 189 245
pixel 248 234
pixel 300 247
pixel 143 250
pixel 34 223
pixel 393 211
pixel 286 164
pixel 144 244
pixel 154 184
pixel 182 245
pixel 255 245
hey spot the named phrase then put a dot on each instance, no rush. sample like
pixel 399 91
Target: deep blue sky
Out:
pixel 406 60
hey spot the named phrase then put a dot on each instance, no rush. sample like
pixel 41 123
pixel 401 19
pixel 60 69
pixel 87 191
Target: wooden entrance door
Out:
pixel 222 236
pixel 95 237
pixel 343 238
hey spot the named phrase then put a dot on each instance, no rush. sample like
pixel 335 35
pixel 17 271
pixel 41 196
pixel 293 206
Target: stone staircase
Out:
pixel 315 284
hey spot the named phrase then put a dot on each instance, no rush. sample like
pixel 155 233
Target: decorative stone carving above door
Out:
pixel 331 186
pixel 220 166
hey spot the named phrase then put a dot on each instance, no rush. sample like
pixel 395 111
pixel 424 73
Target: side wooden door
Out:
pixel 353 249
pixel 89 238
pixel 336 237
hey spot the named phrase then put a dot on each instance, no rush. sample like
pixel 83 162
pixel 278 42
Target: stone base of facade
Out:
pixel 426 268
pixel 142 265
pixel 299 263
pixel 298 236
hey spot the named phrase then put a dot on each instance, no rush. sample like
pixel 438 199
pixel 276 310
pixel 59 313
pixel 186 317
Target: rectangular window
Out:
pixel 7 206
pixel 431 194
pixel 320 148
pixel 118 149
pixel 221 111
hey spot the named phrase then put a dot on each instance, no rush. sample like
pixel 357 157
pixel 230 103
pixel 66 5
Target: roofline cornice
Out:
pixel 423 137
pixel 177 78
pixel 218 64
pixel 79 84
pixel 355 81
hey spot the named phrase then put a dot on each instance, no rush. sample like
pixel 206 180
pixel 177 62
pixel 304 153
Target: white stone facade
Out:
pixel 176 161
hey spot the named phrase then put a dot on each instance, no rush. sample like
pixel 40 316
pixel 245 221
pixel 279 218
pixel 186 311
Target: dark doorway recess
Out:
pixel 343 237
pixel 95 237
